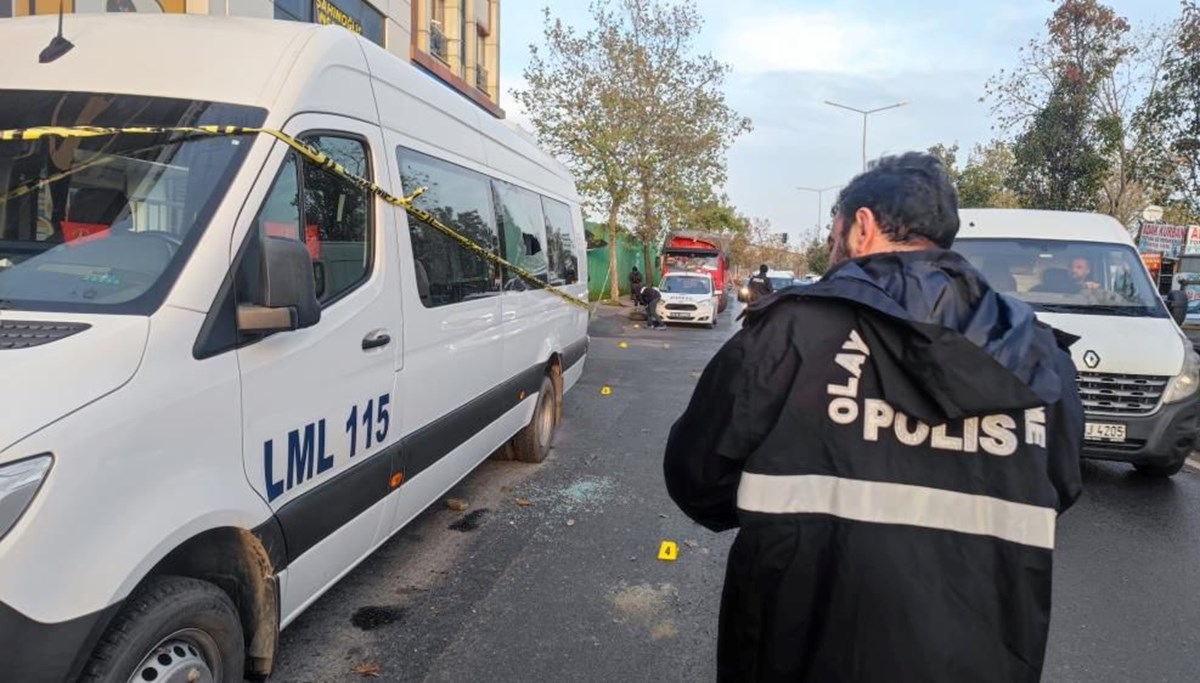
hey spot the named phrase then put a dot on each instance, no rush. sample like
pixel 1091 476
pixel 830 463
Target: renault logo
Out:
pixel 1091 359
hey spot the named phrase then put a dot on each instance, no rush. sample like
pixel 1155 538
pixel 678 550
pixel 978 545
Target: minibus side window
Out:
pixel 330 215
pixel 338 217
pixel 446 271
pixel 564 263
pixel 524 233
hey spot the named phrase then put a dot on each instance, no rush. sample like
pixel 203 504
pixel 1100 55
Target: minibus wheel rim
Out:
pixel 186 656
pixel 545 422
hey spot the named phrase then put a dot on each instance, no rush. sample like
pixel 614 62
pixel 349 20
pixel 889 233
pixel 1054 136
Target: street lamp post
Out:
pixel 820 192
pixel 865 113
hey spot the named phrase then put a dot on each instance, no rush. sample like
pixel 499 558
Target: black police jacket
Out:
pixel 895 443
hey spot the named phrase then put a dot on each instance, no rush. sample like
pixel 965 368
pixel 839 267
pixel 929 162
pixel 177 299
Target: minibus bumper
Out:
pixel 1164 437
pixel 36 652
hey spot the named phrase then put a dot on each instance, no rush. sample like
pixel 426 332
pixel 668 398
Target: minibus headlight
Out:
pixel 19 483
pixel 1185 383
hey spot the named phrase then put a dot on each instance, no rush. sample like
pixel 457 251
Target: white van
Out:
pixel 1138 373
pixel 228 374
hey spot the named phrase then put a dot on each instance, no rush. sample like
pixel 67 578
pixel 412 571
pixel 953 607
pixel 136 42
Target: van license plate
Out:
pixel 679 315
pixel 1099 431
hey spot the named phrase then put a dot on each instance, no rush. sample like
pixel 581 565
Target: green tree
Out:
pixel 1063 150
pixel 1172 115
pixel 637 115
pixel 1126 138
pixel 577 99
pixel 983 182
pixel 679 104
pixel 1056 163
pixel 948 155
pixel 816 255
pixel 713 215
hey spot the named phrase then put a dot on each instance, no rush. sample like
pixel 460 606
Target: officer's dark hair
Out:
pixel 911 196
pixel 763 269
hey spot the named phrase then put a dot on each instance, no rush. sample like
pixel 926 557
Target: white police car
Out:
pixel 688 298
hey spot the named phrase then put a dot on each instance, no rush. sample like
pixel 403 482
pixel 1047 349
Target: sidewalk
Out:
pixel 608 308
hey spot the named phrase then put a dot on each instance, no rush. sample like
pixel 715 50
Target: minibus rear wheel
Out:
pixel 173 628
pixel 532 444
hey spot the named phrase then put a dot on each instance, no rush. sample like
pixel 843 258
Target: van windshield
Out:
pixel 104 224
pixel 686 285
pixel 1060 276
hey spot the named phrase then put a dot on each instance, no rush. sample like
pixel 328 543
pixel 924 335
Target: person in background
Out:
pixel 760 284
pixel 635 285
pixel 895 444
pixel 650 296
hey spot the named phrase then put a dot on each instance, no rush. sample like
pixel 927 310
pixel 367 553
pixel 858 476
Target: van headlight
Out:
pixel 1185 383
pixel 19 483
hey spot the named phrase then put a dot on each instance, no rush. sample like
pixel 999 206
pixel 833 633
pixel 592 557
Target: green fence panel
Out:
pixel 629 253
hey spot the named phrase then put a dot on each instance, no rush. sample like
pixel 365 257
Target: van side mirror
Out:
pixel 1177 304
pixel 284 297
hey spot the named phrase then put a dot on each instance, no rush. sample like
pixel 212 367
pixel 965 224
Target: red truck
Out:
pixel 700 252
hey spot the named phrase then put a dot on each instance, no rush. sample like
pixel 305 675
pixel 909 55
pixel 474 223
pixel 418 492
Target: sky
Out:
pixel 789 56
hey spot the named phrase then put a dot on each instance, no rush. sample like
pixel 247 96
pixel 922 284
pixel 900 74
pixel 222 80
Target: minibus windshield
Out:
pixel 1062 276
pixel 104 224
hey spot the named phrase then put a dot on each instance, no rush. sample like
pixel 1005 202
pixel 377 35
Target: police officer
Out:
pixel 650 296
pixel 635 285
pixel 894 444
pixel 759 284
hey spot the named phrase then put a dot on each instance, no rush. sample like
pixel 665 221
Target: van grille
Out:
pixel 681 307
pixel 1108 394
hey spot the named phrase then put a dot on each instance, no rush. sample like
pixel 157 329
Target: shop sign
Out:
pixel 328 13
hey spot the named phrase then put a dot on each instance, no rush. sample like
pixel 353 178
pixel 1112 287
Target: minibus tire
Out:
pixel 532 444
pixel 191 622
pixel 1160 470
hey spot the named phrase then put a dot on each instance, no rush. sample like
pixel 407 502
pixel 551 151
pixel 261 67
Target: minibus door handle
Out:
pixel 376 339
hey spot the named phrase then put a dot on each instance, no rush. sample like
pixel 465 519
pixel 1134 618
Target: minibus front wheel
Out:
pixel 172 629
pixel 532 444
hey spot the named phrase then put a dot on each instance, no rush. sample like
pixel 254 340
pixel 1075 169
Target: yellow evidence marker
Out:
pixel 668 551
pixel 605 391
pixel 624 345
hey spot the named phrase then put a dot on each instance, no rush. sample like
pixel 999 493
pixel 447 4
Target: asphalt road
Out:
pixel 568 587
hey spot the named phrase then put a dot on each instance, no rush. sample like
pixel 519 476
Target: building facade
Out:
pixel 456 41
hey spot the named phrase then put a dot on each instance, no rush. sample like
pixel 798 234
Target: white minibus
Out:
pixel 228 372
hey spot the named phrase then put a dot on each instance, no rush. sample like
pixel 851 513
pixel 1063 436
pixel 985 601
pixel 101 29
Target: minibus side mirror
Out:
pixel 1177 304
pixel 285 297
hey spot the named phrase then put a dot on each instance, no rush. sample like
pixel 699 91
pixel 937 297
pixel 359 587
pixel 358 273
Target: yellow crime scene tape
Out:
pixel 309 152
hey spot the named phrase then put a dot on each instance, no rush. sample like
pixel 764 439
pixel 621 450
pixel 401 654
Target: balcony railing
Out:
pixel 481 79
pixel 439 45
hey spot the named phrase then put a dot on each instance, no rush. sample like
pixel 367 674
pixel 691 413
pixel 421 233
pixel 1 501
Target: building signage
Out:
pixel 1163 239
pixel 1192 247
pixel 328 13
